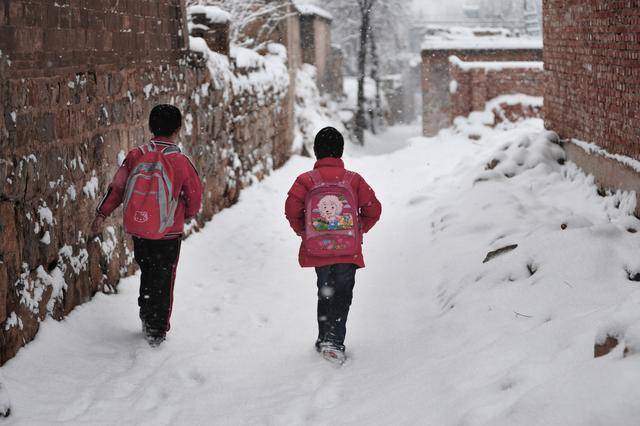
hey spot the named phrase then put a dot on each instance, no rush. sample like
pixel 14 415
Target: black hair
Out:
pixel 328 143
pixel 164 120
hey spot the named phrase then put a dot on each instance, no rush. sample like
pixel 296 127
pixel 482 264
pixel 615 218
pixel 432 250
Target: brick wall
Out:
pixel 592 57
pixel 77 81
pixel 436 99
pixel 476 85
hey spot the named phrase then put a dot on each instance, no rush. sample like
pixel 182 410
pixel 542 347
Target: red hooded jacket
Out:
pixel 332 170
pixel 185 177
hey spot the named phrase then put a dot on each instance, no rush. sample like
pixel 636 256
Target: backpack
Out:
pixel 149 201
pixel 331 217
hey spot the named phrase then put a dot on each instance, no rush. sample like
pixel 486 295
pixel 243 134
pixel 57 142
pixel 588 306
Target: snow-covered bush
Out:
pixel 312 111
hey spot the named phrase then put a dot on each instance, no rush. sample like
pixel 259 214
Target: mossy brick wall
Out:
pixel 77 81
pixel 592 60
pixel 436 99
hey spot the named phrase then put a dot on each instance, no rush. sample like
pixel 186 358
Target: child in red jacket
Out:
pixel 156 256
pixel 336 273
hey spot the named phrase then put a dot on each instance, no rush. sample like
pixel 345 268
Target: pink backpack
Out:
pixel 149 201
pixel 331 217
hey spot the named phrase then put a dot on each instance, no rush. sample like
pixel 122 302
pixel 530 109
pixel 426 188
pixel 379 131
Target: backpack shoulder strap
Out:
pixel 171 149
pixel 348 177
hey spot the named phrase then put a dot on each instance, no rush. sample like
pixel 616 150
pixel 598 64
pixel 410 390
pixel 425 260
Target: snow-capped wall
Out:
pixel 474 83
pixel 477 45
pixel 72 106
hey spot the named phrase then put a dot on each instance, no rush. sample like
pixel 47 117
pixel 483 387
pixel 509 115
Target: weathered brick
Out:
pixel 591 56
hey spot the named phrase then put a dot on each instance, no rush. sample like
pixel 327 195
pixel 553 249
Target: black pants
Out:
pixel 335 292
pixel 157 260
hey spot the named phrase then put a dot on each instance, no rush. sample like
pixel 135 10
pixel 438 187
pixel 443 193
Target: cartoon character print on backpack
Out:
pixel 330 208
pixel 331 217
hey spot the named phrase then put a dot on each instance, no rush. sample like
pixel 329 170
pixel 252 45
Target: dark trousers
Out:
pixel 157 260
pixel 335 292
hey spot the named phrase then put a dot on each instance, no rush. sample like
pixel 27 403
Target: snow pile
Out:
pixel 312 111
pixel 533 267
pixel 350 86
pixel 214 14
pixel 5 404
pixel 445 38
pixel 495 65
pixel 480 123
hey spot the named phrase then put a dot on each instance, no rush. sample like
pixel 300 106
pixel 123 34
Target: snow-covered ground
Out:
pixel 435 336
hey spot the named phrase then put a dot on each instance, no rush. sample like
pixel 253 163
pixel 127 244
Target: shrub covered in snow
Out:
pixel 312 111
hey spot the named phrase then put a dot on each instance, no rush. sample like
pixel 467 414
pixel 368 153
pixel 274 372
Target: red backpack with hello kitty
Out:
pixel 150 199
pixel 331 217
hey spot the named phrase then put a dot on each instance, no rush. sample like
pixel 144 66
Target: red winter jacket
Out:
pixel 332 170
pixel 185 177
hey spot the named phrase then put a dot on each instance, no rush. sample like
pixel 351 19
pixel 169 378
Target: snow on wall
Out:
pixel 495 65
pixel 214 14
pixel 310 9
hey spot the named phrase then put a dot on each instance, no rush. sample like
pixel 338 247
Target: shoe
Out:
pixel 332 353
pixel 154 337
pixel 144 325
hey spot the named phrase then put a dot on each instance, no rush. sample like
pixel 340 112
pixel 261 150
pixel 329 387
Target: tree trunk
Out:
pixel 361 121
pixel 375 76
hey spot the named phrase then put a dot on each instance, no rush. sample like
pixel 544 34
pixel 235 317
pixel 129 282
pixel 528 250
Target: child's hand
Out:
pixel 96 225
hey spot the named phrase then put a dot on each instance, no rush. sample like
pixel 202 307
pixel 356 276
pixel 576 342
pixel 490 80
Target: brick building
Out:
pixel 77 81
pixel 592 58
pixel 440 102
pixel 317 50
pixel 475 83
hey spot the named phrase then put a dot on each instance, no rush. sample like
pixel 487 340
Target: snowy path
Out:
pixel 425 346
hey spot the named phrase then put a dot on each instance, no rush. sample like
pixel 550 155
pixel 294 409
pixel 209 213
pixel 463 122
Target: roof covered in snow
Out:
pixel 310 9
pixel 458 38
pixel 214 14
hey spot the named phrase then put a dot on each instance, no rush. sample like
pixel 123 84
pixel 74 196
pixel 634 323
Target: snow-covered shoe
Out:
pixel 154 337
pixel 333 354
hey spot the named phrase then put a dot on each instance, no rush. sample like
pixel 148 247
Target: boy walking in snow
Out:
pixel 160 189
pixel 331 208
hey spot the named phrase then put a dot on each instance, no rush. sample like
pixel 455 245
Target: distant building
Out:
pixel 519 16
pixel 317 50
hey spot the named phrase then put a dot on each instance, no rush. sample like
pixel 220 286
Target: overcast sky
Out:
pixel 440 10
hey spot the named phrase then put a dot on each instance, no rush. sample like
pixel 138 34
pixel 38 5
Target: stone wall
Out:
pixel 436 78
pixel 591 54
pixel 473 84
pixel 77 81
